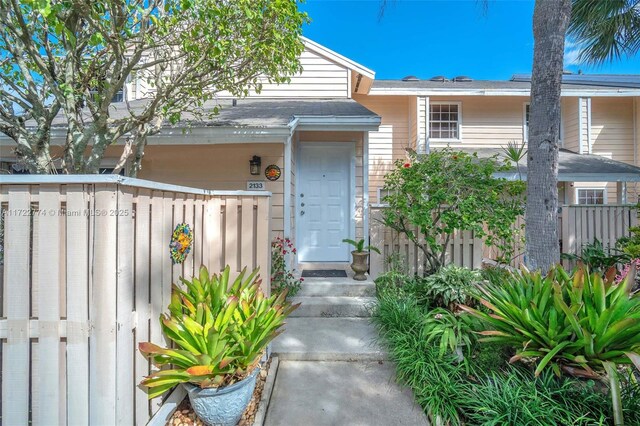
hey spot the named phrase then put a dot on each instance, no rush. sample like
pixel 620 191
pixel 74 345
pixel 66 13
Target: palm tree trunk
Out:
pixel 550 21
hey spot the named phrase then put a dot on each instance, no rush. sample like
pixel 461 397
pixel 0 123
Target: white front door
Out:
pixel 324 201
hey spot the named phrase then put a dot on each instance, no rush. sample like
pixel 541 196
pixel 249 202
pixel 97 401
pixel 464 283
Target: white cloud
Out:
pixel 571 54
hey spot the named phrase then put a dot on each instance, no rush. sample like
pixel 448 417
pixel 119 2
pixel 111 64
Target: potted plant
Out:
pixel 220 331
pixel 360 263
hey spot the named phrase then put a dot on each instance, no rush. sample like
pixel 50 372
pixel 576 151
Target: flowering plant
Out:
pixel 634 264
pixel 281 277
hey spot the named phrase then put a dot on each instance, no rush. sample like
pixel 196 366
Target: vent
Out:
pixel 462 78
pixel 410 78
pixel 439 78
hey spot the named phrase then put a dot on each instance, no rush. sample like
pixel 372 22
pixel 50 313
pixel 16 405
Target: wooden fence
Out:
pixel 577 225
pixel 87 273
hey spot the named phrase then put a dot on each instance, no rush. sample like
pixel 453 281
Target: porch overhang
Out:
pixel 574 167
pixel 362 123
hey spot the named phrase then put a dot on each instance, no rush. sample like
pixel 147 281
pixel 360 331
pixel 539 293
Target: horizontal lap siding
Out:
pixel 390 141
pixel 570 124
pixel 220 167
pixel 488 121
pixel 612 132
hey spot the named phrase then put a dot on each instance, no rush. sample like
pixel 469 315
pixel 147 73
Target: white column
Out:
pixel 621 192
pixel 287 187
pixel 365 186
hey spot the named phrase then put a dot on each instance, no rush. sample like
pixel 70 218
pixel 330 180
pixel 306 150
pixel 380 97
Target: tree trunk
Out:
pixel 550 21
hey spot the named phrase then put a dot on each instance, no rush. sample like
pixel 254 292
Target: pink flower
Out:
pixel 301 279
pixel 293 251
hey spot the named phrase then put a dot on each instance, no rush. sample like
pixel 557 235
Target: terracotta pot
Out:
pixel 360 264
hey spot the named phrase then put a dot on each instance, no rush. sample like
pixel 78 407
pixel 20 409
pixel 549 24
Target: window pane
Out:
pixel 443 121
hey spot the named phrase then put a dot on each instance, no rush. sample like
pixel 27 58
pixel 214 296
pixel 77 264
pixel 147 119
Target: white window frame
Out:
pixel 525 125
pixel 459 105
pixel 604 195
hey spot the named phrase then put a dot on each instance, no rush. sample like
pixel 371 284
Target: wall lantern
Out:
pixel 254 165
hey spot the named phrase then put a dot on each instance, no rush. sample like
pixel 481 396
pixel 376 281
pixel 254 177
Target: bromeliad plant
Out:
pixel 581 324
pixel 221 330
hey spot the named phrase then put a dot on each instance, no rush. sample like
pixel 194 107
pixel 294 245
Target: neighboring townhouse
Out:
pixel 323 143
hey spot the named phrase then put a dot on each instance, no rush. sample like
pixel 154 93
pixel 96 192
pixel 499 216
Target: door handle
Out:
pixel 301 212
pixel 301 204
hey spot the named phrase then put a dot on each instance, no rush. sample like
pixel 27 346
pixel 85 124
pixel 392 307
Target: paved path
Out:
pixel 331 370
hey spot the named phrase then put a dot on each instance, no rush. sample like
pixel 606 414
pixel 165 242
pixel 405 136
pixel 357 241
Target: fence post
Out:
pixel 376 261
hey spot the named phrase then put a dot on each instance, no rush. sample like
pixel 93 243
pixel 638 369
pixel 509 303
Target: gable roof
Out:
pixel 597 80
pixel 338 58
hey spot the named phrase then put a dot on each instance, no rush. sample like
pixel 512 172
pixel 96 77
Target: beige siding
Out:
pixel 221 167
pixel 487 121
pixel 570 124
pixel 413 121
pixel 320 78
pixel 586 138
pixel 344 137
pixel 612 132
pixel 390 142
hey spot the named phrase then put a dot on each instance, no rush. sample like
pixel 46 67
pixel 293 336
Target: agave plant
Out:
pixel 220 329
pixel 583 324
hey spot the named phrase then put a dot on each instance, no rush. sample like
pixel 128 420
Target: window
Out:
pixel 444 121
pixel 590 195
pixel 525 123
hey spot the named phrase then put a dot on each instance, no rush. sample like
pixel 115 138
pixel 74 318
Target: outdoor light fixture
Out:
pixel 254 165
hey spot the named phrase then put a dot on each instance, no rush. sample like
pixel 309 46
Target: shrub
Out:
pixel 453 333
pixel 432 196
pixel 447 288
pixel 631 245
pixel 597 258
pixel 583 325
pixel 221 330
pixel 282 279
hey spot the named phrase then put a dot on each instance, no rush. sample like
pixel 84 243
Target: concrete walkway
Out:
pixel 332 372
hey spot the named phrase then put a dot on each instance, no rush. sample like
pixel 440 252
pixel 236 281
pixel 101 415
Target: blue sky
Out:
pixel 428 38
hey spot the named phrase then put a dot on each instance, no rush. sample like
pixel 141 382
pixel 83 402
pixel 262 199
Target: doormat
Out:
pixel 324 273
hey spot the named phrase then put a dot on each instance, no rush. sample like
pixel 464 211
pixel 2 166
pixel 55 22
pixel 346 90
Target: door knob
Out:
pixel 301 212
pixel 302 195
pixel 301 204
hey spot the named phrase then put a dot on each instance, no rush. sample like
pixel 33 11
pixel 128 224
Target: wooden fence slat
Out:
pixel 15 354
pixel 124 308
pixel 214 234
pixel 49 304
pixel 187 270
pixel 199 220
pixel 142 301
pixel 247 257
pixel 158 249
pixel 102 382
pixel 77 258
pixel 178 217
pixel 263 242
pixel 231 234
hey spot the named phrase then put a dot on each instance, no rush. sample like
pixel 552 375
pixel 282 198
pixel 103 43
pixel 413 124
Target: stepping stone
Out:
pixel 329 288
pixel 341 393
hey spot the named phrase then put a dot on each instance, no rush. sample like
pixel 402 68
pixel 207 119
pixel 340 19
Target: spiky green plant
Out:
pixel 359 245
pixel 221 331
pixel 581 324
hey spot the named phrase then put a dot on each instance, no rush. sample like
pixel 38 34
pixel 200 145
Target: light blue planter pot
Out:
pixel 222 406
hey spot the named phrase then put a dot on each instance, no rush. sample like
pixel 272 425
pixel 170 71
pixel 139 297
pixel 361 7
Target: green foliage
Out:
pixel 73 57
pixel 392 283
pixel 220 329
pixel 448 287
pixel 434 195
pixel 495 393
pixel 452 332
pixel 359 245
pixel 569 323
pixel 596 257
pixel 517 398
pixel 631 245
pixel 282 279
